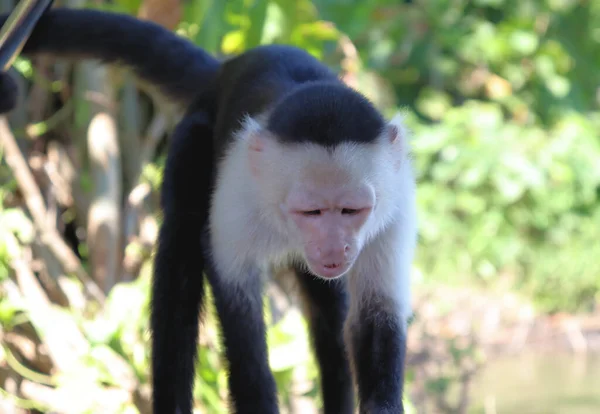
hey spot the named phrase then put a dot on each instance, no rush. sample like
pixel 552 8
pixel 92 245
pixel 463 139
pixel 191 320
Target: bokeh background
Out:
pixel 503 98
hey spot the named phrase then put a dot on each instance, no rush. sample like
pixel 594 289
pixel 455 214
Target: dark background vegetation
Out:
pixel 503 98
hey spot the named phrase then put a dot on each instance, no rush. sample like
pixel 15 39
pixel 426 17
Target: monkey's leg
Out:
pixel 326 308
pixel 177 289
pixel 239 307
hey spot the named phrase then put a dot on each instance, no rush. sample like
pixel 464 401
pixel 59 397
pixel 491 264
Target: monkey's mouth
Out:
pixel 329 270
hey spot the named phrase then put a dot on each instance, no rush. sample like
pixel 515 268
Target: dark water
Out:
pixel 542 383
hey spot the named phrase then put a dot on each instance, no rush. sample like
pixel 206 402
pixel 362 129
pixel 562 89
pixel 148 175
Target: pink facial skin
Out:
pixel 330 236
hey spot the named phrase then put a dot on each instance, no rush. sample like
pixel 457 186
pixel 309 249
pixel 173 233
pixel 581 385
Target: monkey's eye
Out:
pixel 312 213
pixel 350 211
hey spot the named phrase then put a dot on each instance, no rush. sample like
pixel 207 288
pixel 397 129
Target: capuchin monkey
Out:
pixel 276 164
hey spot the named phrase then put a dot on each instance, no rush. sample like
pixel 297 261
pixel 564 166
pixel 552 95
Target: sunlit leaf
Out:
pixel 524 42
pixel 433 103
pixel 558 85
pixel 233 42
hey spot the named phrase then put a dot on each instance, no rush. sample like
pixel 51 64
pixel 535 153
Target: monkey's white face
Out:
pixel 329 220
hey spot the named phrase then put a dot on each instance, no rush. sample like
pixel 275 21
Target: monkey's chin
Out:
pixel 329 272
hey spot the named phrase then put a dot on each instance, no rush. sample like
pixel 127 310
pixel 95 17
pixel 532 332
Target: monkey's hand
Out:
pixel 8 93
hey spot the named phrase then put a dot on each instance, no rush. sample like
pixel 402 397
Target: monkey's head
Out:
pixel 329 199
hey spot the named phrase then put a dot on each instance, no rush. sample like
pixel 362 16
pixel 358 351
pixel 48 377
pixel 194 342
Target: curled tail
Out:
pixel 173 64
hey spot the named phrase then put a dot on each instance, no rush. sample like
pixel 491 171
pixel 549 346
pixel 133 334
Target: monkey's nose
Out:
pixel 336 255
pixel 332 254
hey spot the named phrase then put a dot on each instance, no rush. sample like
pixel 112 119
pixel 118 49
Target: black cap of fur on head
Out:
pixel 325 113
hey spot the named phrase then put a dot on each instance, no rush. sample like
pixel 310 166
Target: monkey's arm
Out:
pixel 376 328
pixel 176 66
pixel 177 289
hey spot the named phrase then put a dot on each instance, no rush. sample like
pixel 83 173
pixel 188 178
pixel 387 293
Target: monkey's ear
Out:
pixel 257 140
pixel 254 134
pixel 396 134
pixel 395 130
pixel 256 143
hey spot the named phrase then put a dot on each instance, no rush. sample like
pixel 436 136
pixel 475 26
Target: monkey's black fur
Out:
pixel 332 120
pixel 173 64
pixel 310 104
pixel 8 93
pixel 379 351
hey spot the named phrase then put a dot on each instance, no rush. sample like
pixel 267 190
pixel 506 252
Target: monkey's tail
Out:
pixel 175 65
